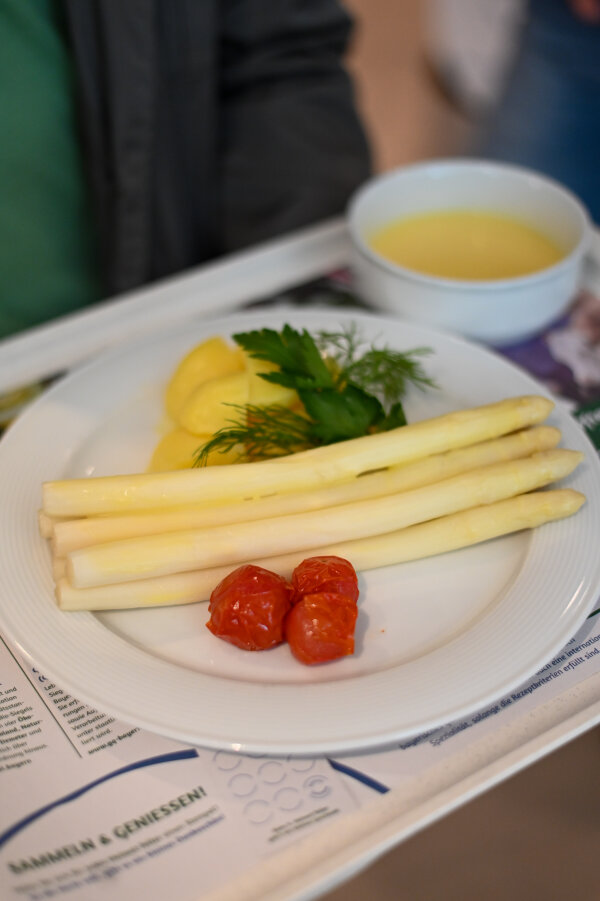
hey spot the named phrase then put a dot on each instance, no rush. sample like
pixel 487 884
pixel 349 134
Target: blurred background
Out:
pixel 516 80
pixel 429 75
pixel 399 52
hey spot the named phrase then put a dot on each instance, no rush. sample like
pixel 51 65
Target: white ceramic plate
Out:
pixel 436 639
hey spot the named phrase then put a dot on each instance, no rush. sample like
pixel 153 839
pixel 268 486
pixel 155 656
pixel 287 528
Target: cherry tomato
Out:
pixel 248 607
pixel 320 627
pixel 329 573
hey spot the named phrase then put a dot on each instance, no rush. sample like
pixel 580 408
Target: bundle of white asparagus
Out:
pixel 423 489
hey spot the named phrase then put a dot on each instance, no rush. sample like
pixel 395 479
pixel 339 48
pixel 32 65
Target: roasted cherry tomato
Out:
pixel 320 627
pixel 248 607
pixel 329 574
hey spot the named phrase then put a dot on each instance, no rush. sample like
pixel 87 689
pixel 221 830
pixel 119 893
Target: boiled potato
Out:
pixel 177 449
pixel 208 380
pixel 209 409
pixel 211 359
pixel 262 393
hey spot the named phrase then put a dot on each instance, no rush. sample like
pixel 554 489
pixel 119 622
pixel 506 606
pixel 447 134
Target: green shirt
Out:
pixel 47 255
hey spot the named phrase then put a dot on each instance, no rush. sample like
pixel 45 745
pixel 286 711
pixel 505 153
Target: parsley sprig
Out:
pixel 344 393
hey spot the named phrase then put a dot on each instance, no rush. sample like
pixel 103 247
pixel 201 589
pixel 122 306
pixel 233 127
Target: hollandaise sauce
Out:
pixel 465 244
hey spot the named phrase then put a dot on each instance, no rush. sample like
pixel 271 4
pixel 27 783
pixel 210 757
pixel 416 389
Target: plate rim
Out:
pixel 582 605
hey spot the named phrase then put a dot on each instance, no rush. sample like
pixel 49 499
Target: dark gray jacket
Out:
pixel 210 124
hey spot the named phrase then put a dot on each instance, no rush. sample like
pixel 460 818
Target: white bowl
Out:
pixel 497 311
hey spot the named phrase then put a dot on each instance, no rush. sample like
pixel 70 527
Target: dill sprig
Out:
pixel 379 370
pixel 345 393
pixel 259 433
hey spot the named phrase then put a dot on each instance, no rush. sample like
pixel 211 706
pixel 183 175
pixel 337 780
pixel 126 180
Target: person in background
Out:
pixel 548 115
pixel 469 47
pixel 142 138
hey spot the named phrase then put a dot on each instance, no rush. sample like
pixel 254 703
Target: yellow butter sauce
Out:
pixel 465 244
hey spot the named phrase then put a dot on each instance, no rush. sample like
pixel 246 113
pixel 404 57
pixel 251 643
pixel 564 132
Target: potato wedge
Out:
pixel 177 449
pixel 211 359
pixel 262 393
pixel 209 407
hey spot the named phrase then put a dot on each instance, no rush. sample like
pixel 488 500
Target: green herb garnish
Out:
pixel 345 393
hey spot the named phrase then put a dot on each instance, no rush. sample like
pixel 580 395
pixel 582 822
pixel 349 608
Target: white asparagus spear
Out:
pixel 296 472
pixel 46 523
pixel 438 536
pixel 59 568
pixel 69 535
pixel 153 555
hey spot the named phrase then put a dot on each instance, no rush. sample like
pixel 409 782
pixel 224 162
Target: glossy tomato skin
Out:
pixel 320 627
pixel 248 608
pixel 327 573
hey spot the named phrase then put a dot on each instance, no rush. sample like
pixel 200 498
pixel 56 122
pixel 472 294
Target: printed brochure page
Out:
pixel 89 800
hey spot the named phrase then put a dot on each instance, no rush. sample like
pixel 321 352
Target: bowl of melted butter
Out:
pixel 492 251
